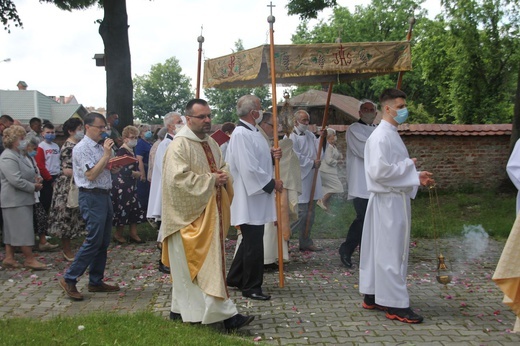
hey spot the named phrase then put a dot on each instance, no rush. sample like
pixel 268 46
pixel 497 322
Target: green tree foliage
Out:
pixel 164 89
pixel 8 15
pixel 223 101
pixel 464 62
pixel 307 9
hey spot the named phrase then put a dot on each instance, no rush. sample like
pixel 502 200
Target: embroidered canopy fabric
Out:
pixel 307 64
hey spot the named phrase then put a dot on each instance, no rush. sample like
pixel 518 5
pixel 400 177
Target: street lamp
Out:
pixel 6 60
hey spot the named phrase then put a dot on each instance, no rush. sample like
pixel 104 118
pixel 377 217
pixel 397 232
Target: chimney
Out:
pixel 62 100
pixel 22 85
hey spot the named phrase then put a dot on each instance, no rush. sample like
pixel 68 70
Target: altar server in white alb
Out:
pixel 305 145
pixel 251 165
pixel 392 180
pixel 173 123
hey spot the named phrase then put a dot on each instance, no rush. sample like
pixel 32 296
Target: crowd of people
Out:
pixel 192 190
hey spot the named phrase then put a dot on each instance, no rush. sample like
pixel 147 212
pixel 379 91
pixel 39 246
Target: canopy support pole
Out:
pixel 318 156
pixel 200 40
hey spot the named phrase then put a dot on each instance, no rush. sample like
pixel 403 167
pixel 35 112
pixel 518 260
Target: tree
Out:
pixel 224 101
pixel 308 9
pixel 9 14
pixel 382 20
pixel 114 32
pixel 464 61
pixel 164 89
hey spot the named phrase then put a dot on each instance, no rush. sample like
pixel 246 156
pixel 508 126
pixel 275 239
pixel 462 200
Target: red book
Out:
pixel 120 161
pixel 220 137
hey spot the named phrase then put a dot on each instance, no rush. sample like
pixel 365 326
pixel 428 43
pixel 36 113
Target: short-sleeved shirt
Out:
pixel 143 149
pixel 85 155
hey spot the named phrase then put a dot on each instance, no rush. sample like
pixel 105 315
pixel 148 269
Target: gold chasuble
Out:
pixel 194 206
pixel 507 273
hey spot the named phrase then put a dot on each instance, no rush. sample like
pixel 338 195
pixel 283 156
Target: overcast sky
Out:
pixel 54 51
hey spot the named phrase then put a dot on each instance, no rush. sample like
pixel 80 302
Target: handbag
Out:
pixel 73 195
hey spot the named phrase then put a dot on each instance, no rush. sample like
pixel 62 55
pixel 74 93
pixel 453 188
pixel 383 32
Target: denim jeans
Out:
pixel 97 212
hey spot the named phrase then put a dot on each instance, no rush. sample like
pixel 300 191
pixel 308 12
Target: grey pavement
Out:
pixel 319 305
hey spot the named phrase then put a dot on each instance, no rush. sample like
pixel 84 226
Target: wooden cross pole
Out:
pixel 271 21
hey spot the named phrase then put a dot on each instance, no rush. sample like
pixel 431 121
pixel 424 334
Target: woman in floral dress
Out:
pixel 127 209
pixel 66 223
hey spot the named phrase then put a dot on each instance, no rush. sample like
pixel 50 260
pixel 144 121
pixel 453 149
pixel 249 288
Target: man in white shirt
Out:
pixel 392 181
pixel 357 135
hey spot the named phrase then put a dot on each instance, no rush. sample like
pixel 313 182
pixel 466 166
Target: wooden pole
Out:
pixel 271 21
pixel 200 39
pixel 318 156
pixel 408 38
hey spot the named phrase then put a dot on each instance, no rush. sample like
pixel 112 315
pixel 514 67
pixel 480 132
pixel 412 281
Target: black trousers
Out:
pixel 355 231
pixel 247 269
pixel 46 193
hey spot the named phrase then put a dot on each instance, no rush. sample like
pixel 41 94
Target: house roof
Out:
pixel 442 129
pixel 26 104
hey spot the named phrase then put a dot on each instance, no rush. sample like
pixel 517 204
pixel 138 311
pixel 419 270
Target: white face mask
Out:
pixel 302 127
pixel 79 135
pixel 368 118
pixel 132 143
pixel 178 127
pixel 260 117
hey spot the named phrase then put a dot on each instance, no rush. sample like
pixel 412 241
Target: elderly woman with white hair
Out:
pixel 18 179
pixel 329 170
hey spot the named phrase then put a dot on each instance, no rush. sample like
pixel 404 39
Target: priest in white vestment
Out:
pixel 356 136
pixel 171 121
pixel 513 171
pixel 392 180
pixel 251 165
pixel 305 145
pixel 196 193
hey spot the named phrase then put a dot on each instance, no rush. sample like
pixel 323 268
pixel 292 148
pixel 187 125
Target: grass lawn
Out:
pixel 142 328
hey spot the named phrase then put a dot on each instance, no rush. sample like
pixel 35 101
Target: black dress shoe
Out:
pixel 175 316
pixel 345 259
pixel 256 296
pixel 163 269
pixel 238 321
pixel 270 267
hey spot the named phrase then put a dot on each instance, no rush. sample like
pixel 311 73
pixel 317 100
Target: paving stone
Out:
pixel 319 305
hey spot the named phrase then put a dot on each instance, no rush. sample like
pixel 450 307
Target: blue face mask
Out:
pixel 32 153
pixel 402 115
pixel 148 134
pixel 116 122
pixel 104 135
pixel 50 137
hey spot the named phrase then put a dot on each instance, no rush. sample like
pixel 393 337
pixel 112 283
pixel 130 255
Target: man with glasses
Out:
pixel 197 192
pixel 90 158
pixel 251 165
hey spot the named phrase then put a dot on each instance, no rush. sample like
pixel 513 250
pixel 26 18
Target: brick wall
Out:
pixel 456 161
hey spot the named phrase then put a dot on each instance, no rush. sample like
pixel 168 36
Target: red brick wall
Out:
pixel 456 161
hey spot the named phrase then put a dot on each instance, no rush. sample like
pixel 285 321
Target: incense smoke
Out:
pixel 475 240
